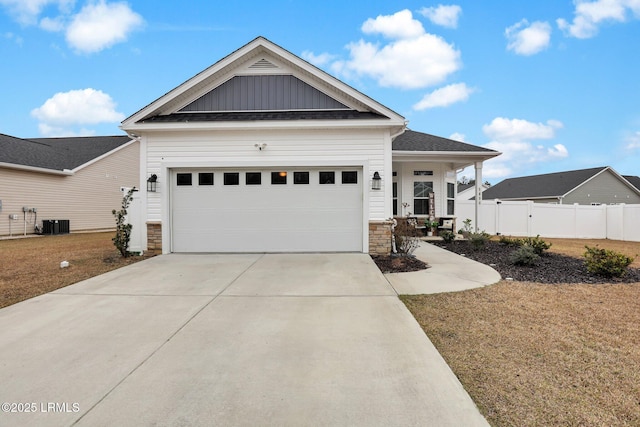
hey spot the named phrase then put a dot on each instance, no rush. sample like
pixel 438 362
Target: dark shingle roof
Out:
pixel 57 153
pixel 417 141
pixel 633 180
pixel 546 185
pixel 262 115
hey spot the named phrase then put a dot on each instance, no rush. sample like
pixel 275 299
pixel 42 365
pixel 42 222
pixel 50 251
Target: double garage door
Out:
pixel 274 210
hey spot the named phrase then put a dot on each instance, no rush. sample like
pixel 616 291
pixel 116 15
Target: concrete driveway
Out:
pixel 277 339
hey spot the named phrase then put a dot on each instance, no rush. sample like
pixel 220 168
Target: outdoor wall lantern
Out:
pixel 376 181
pixel 152 183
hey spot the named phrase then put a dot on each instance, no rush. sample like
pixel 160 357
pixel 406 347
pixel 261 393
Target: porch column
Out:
pixel 478 183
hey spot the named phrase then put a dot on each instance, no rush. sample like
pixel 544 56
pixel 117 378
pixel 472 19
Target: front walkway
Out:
pixel 448 272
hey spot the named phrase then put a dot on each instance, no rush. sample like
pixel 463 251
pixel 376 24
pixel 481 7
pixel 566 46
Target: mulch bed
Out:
pixel 552 267
pixel 398 264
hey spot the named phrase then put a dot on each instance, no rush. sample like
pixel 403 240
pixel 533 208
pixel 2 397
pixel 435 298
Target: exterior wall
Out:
pixel 154 236
pixel 313 147
pixel 380 237
pixel 405 179
pixel 86 198
pixel 605 188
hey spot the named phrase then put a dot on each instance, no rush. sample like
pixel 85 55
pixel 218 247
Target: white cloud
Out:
pixel 503 129
pixel 100 25
pixel 512 137
pixel 26 12
pixel 528 39
pixel 17 39
pixel 457 136
pixel 633 141
pixel 445 16
pixel 589 15
pixel 52 24
pixel 76 107
pixel 400 25
pixel 317 60
pixel 444 96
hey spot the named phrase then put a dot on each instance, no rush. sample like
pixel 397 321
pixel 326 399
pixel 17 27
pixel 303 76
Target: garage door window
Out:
pixel 278 178
pixel 183 179
pixel 301 177
pixel 205 178
pixel 232 178
pixel 253 178
pixel 327 177
pixel 349 177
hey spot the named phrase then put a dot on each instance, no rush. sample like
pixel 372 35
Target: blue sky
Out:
pixel 553 84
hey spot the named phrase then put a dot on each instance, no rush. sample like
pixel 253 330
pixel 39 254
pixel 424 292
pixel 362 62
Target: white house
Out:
pixel 263 152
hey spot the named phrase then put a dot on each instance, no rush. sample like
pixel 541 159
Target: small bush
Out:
pixel 407 237
pixel 607 263
pixel 478 240
pixel 510 241
pixel 538 245
pixel 123 229
pixel 447 236
pixel 525 255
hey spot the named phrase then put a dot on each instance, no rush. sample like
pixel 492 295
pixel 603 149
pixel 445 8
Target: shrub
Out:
pixel 406 237
pixel 510 241
pixel 607 263
pixel 447 236
pixel 123 229
pixel 538 245
pixel 525 255
pixel 478 240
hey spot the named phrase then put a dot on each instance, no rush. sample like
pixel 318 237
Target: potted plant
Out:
pixel 431 226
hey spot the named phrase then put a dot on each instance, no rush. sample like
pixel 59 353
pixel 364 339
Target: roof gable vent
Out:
pixel 263 64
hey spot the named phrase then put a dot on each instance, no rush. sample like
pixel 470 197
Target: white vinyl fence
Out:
pixel 616 222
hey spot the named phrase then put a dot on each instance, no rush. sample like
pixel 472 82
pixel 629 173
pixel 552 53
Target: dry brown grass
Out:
pixel 535 354
pixel 31 266
pixel 575 247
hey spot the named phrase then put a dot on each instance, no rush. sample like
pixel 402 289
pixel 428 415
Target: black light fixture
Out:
pixel 376 181
pixel 152 183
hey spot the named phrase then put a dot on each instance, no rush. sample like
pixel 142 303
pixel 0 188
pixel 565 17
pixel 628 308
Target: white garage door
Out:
pixel 287 210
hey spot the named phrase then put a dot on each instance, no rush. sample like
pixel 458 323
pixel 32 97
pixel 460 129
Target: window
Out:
pixel 327 177
pixel 205 178
pixel 349 177
pixel 395 198
pixel 231 178
pixel 278 178
pixel 301 177
pixel 451 198
pixel 183 179
pixel 253 178
pixel 421 190
pixel 422 173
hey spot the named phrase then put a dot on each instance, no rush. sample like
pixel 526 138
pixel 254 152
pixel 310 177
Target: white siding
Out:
pixel 86 198
pixel 284 148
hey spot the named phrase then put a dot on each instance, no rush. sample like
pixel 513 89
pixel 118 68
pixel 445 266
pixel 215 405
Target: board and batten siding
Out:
pixel 604 188
pixel 283 148
pixel 85 198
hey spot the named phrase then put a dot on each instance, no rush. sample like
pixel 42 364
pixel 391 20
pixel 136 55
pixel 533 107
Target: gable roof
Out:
pixel 57 154
pixel 418 141
pixel 548 185
pixel 259 84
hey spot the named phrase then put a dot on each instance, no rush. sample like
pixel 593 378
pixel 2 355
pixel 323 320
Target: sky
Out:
pixel 552 84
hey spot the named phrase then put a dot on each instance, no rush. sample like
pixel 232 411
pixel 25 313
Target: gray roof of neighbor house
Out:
pixel 57 153
pixel 417 141
pixel 633 180
pixel 540 186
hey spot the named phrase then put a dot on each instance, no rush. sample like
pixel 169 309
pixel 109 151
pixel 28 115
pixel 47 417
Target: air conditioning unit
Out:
pixel 55 226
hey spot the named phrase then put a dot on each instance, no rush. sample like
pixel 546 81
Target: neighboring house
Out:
pixel 76 179
pixel 263 152
pixel 633 180
pixel 468 191
pixel 593 186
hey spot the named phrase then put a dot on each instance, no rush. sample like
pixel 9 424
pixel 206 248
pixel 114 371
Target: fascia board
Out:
pixel 64 172
pixel 473 156
pixel 246 125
